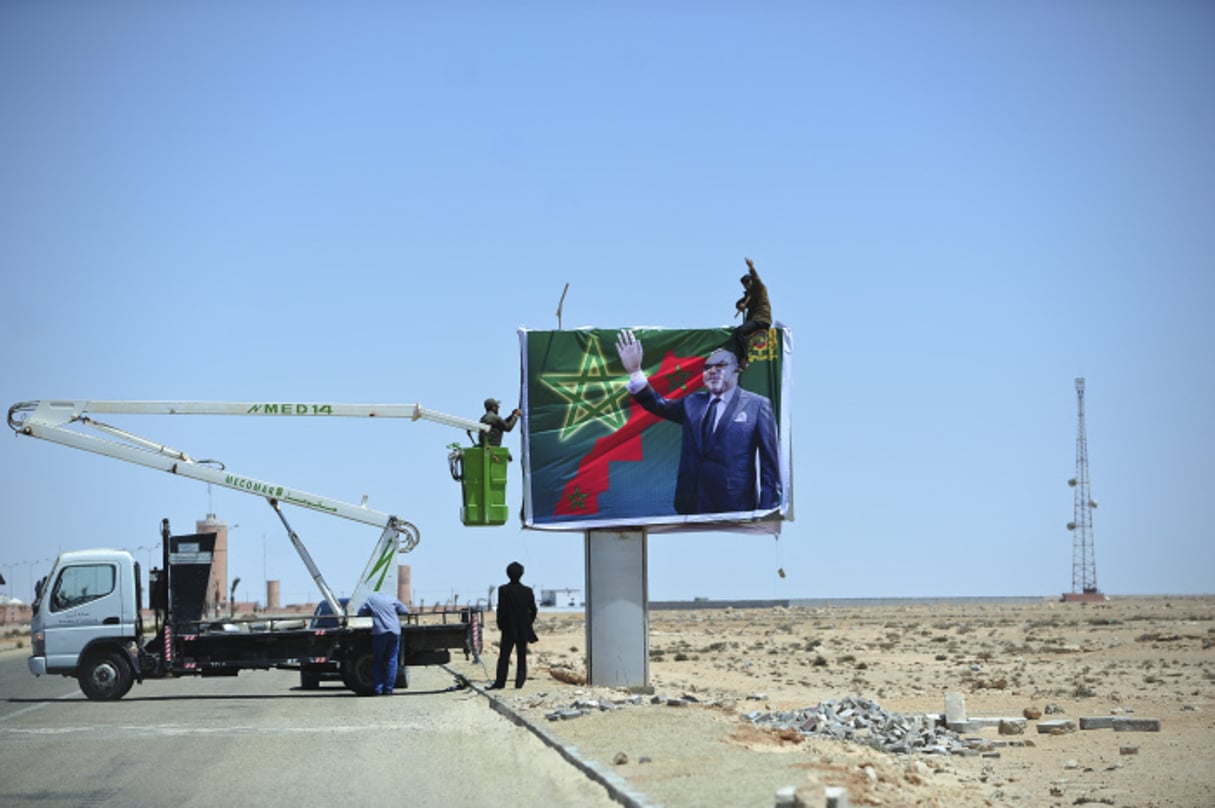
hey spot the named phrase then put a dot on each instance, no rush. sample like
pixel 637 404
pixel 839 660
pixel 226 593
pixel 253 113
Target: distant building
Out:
pixel 13 612
pixel 217 587
pixel 559 597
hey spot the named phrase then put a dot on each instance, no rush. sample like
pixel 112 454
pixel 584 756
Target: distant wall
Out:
pixel 838 603
pixel 689 605
pixel 11 615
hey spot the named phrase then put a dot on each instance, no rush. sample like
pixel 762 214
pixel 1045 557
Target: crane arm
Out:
pixel 64 421
pixel 55 421
pixel 64 411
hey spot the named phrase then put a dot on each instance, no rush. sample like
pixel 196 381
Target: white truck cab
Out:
pixel 87 608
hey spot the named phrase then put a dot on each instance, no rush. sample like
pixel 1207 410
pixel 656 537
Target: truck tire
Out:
pixel 105 676
pixel 358 672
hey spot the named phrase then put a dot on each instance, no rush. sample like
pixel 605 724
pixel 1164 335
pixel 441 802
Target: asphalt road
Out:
pixel 259 739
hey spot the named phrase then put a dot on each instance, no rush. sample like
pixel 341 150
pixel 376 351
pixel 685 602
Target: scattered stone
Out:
pixel 955 709
pixel 567 675
pixel 757 697
pixel 645 759
pixel 1136 725
pixel 1071 764
pixel 1128 750
pixel 810 794
pixel 837 797
pixel 620 759
pixel 980 723
pixel 786 797
pixel 1054 709
pixel 994 721
pixel 1097 722
pixel 677 702
pixel 1012 727
pixel 1057 727
pixel 1032 713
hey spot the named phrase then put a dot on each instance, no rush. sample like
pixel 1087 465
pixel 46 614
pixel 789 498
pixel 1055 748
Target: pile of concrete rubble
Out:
pixel 864 721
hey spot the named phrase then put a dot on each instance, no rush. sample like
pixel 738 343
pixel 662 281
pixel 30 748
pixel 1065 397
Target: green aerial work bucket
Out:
pixel 481 471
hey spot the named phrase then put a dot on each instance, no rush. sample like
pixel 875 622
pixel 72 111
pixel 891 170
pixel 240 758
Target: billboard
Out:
pixel 657 428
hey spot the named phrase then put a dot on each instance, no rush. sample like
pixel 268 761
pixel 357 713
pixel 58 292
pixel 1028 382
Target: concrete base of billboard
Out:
pixel 617 617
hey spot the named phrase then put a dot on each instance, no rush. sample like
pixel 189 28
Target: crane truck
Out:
pixel 88 618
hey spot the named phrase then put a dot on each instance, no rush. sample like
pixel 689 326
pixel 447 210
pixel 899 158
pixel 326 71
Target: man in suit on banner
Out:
pixel 727 433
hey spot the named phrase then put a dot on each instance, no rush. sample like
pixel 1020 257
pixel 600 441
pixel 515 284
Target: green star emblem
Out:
pixel 680 379
pixel 577 499
pixel 594 395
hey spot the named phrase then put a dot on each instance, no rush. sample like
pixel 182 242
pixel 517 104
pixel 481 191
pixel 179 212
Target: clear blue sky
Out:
pixel 958 209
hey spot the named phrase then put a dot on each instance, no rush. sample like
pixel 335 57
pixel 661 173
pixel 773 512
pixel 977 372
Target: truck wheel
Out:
pixel 358 672
pixel 105 676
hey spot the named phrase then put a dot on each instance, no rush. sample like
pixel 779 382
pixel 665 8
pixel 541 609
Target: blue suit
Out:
pixel 718 474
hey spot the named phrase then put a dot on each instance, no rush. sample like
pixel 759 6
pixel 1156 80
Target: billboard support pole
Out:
pixel 617 609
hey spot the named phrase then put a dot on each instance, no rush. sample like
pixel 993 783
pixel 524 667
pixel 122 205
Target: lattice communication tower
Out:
pixel 1084 560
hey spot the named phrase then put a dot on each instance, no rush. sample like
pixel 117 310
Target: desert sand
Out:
pixel 690 743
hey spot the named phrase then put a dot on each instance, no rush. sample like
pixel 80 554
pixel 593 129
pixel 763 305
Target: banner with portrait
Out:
pixel 697 443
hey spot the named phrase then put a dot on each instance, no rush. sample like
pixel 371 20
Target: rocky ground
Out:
pixel 747 701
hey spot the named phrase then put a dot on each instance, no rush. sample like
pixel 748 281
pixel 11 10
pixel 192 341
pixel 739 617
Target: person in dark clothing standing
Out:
pixel 516 615
pixel 756 312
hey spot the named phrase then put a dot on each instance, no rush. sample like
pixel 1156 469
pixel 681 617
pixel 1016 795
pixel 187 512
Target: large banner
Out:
pixel 656 427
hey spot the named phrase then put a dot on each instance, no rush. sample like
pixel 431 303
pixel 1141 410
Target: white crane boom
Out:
pixel 59 421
